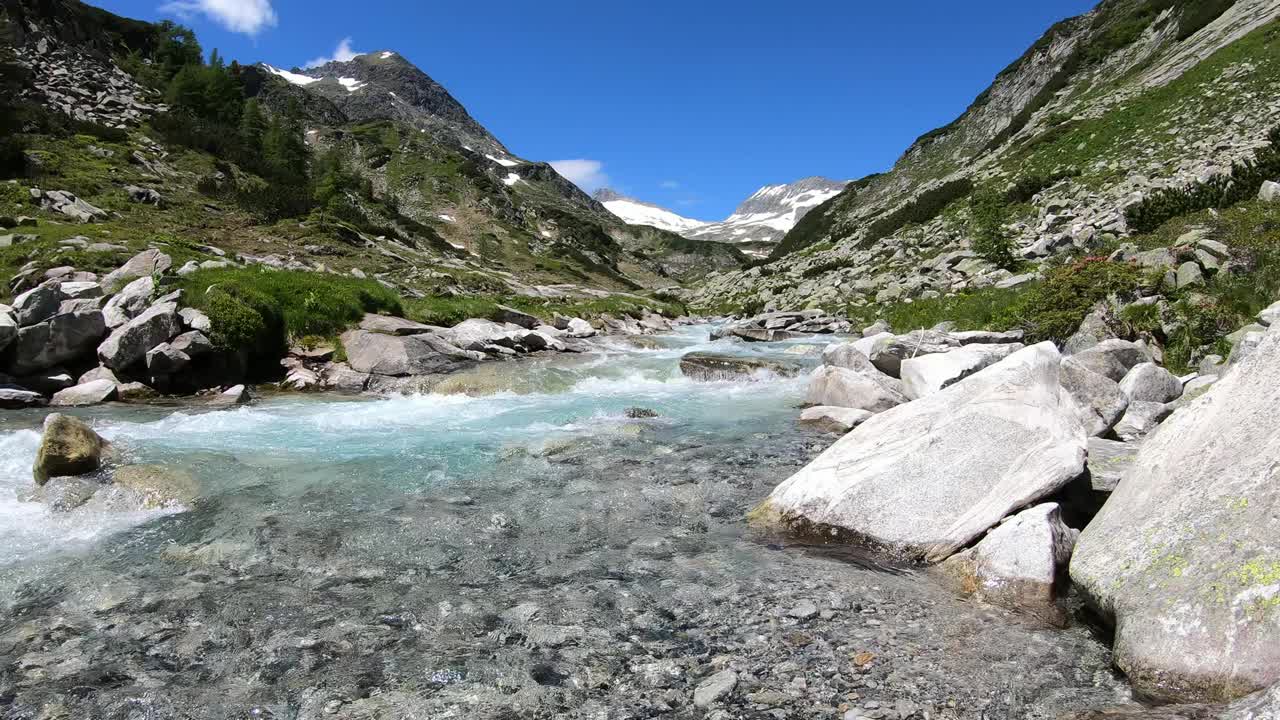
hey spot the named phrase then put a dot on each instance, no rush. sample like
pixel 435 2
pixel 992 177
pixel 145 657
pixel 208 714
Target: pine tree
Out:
pixel 253 126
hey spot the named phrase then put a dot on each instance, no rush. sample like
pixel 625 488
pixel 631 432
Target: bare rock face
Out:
pixel 1183 556
pixel 68 447
pixel 925 479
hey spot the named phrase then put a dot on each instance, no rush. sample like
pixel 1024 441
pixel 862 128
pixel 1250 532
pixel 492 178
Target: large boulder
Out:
pixel 399 356
pixel 130 342
pixel 841 387
pixel 37 304
pixel 474 334
pixel 388 325
pixel 712 367
pixel 1183 557
pixel 68 447
pixel 1021 563
pixel 90 393
pixel 511 315
pixel 927 374
pixel 8 330
pixel 147 263
pixel 1100 400
pixel 888 355
pixel 1140 419
pixel 1149 382
pixel 1113 358
pixel 926 479
pixel 15 398
pixel 60 339
pixel 130 302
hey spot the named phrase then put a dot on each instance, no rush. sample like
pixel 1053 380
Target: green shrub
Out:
pixel 925 207
pixel 1054 309
pixel 975 310
pixel 990 239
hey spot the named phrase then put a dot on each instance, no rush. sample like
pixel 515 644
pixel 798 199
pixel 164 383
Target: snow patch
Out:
pixel 501 161
pixel 293 78
pixel 511 179
pixel 636 213
pixel 387 55
pixel 351 84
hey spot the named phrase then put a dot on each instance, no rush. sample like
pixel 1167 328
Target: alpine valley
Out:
pixel 318 400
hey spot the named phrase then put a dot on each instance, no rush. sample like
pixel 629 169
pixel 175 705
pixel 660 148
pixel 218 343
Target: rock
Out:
pixel 12 398
pixel 888 356
pixel 714 688
pixel 1270 316
pixel 1094 329
pixel 130 302
pixel 37 305
pixel 868 345
pixel 639 413
pixel 68 447
pixel 1140 419
pixel 164 360
pixel 1190 275
pixel 1101 401
pixel 1020 562
pixel 158 485
pixel 93 392
pixel 192 344
pixel 987 337
pixel 474 334
pixel 714 367
pixel 1244 342
pixel 397 356
pixel 394 325
pixel 8 330
pixel 64 494
pixel 135 391
pixel 841 387
pixel 145 196
pixel 804 610
pixel 80 290
pixel 751 334
pixel 580 328
pixel 925 375
pixel 506 314
pixel 1108 461
pixel 1016 281
pixel 193 319
pixel 925 479
pixel 129 343
pixel 61 339
pixel 834 419
pixel 342 378
pixel 236 395
pixel 73 207
pixel 1183 554
pixel 1214 365
pixel 1269 192
pixel 1149 382
pixel 98 373
pixel 1113 359
pixel 147 263
pixel 188 268
pixel 879 327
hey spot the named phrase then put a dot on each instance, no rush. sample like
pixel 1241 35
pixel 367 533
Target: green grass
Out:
pixel 982 309
pixel 449 311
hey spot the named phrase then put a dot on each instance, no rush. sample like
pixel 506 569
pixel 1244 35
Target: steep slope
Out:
pixel 1106 109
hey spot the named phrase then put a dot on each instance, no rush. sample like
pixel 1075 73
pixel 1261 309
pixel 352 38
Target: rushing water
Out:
pixel 532 552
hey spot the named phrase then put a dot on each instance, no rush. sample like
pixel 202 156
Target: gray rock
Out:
pixel 928 374
pixel 164 360
pixel 340 377
pixel 12 398
pixel 93 392
pixel 804 610
pixel 61 339
pixel 73 207
pixel 236 395
pixel 1094 329
pixel 395 356
pixel 1019 563
pixel 1269 192
pixel 1212 365
pixel 37 304
pixel 1113 358
pixel 193 319
pixel 1101 401
pixel 715 688
pixel 475 334
pixel 888 356
pixel 841 387
pixel 1183 554
pixel 987 337
pixel 1108 461
pixel 579 328
pixel 833 419
pixel 98 373
pixel 145 264
pixel 714 367
pixel 506 314
pixel 1149 382
pixel 394 326
pixel 8 330
pixel 145 196
pixel 192 343
pixel 868 345
pixel 925 479
pixel 68 447
pixel 129 344
pixel 879 327
pixel 80 290
pixel 136 391
pixel 1140 419
pixel 1190 275
pixel 130 302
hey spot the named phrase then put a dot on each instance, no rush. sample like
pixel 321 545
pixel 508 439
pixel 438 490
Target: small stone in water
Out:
pixel 714 688
pixel 640 413
pixel 804 610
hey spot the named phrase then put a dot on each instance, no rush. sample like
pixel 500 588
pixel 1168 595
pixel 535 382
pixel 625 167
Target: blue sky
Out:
pixel 692 104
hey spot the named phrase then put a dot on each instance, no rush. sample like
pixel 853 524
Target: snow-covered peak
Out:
pixel 635 212
pixel 292 77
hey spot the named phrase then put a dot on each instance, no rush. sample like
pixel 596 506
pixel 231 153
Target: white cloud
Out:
pixel 342 53
pixel 243 16
pixel 586 174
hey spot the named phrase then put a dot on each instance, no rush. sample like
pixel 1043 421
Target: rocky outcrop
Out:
pixel 1183 555
pixel 68 447
pixel 926 479
pixel 1149 382
pixel 713 367
pixel 401 356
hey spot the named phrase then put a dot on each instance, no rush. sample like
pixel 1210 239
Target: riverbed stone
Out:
pixel 157 485
pixel 713 367
pixel 841 387
pixel 1019 564
pixel 834 419
pixel 93 392
pixel 1100 400
pixel 1183 555
pixel 235 395
pixel 475 334
pixel 397 356
pixel 1149 382
pixel 926 479
pixel 715 688
pixel 68 447
pixel 16 398
pixel 129 343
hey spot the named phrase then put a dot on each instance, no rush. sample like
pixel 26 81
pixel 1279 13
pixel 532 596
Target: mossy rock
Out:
pixel 69 447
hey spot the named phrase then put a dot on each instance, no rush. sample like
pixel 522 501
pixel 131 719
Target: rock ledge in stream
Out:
pixel 711 367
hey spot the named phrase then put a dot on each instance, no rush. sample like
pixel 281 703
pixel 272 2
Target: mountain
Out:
pixel 755 227
pixel 1112 120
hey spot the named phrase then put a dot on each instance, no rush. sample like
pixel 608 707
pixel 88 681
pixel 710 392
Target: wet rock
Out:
pixel 925 479
pixel 888 356
pixel 396 356
pixel 63 494
pixel 136 391
pixel 1101 401
pixel 157 485
pixel 639 413
pixel 712 367
pixel 91 393
pixel 579 328
pixel 928 374
pixel 834 419
pixel 147 263
pixel 68 447
pixel 237 395
pixel 1019 563
pixel 129 343
pixel 1149 382
pixel 1182 556
pixel 715 688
